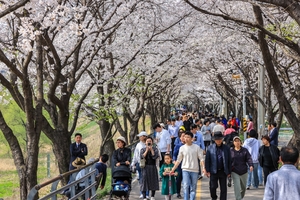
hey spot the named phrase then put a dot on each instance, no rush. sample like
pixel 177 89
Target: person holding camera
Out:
pixel 150 174
pixel 77 149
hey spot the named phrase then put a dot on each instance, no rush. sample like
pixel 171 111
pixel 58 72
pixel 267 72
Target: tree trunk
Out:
pixel 17 155
pixel 107 146
pixel 144 121
pixel 32 162
pixel 275 82
pixel 61 149
pixel 133 131
pixel 254 115
pixel 125 123
pixel 279 119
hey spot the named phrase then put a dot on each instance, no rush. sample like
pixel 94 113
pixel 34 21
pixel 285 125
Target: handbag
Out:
pixel 142 162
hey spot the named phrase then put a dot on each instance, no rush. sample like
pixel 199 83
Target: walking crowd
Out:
pixel 190 146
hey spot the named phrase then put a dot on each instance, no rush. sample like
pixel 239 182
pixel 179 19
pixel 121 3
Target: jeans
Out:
pixel 189 180
pixel 260 176
pixel 253 174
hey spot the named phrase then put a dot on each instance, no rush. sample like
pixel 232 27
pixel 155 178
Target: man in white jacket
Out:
pixel 136 156
pixel 252 144
pixel 163 139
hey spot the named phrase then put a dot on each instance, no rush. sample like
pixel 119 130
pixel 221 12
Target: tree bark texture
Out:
pixel 275 82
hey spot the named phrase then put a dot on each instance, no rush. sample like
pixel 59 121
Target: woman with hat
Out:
pixel 122 155
pixel 241 159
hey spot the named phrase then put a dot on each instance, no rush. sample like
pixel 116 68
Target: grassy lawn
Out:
pixel 107 188
pixel 9 181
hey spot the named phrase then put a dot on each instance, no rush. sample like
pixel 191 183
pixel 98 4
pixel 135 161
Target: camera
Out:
pixel 229 181
pixel 149 144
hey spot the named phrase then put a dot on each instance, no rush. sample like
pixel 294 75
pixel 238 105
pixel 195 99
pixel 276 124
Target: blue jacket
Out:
pixel 283 184
pixel 211 159
pixel 175 154
pixel 199 141
pixel 274 137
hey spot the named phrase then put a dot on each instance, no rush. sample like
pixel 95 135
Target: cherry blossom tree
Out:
pixel 46 49
pixel 272 25
pixel 144 51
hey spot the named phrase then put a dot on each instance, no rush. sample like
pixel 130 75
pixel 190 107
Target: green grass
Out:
pixel 9 180
pixel 107 188
pixel 6 189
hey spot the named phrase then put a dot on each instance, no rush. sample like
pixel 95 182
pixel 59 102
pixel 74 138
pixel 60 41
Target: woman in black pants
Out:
pixel 268 157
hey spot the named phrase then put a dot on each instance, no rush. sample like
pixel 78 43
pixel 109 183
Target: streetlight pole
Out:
pixel 261 94
pixel 244 104
pixel 244 98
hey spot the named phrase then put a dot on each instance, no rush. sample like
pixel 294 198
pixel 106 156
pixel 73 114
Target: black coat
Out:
pixel 80 152
pixel 274 155
pixel 121 156
pixel 211 159
pixel 241 160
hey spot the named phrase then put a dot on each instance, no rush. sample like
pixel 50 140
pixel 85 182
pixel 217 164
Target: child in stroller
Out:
pixel 121 174
pixel 121 182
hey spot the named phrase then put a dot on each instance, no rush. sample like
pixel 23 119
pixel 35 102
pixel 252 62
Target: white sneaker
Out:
pixel 141 196
pixel 147 197
pixel 152 198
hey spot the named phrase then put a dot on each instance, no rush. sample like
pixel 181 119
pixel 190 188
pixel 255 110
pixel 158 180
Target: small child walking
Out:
pixel 164 172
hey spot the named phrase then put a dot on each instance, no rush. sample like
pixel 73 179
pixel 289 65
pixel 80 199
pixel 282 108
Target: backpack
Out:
pixel 229 138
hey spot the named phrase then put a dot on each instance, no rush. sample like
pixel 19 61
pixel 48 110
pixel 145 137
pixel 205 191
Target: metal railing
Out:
pixel 89 180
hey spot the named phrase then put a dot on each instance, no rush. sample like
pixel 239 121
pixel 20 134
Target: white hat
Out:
pixel 122 139
pixel 162 125
pixel 143 133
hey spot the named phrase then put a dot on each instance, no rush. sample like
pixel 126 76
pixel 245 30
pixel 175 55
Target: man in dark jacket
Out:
pixel 218 166
pixel 274 134
pixel 77 149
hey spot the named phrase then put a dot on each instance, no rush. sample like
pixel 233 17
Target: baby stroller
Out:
pixel 121 182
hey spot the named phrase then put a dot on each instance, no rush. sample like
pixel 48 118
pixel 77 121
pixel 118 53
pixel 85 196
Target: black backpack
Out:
pixel 229 138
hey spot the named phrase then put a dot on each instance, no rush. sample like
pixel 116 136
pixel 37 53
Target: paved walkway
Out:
pixel 202 192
